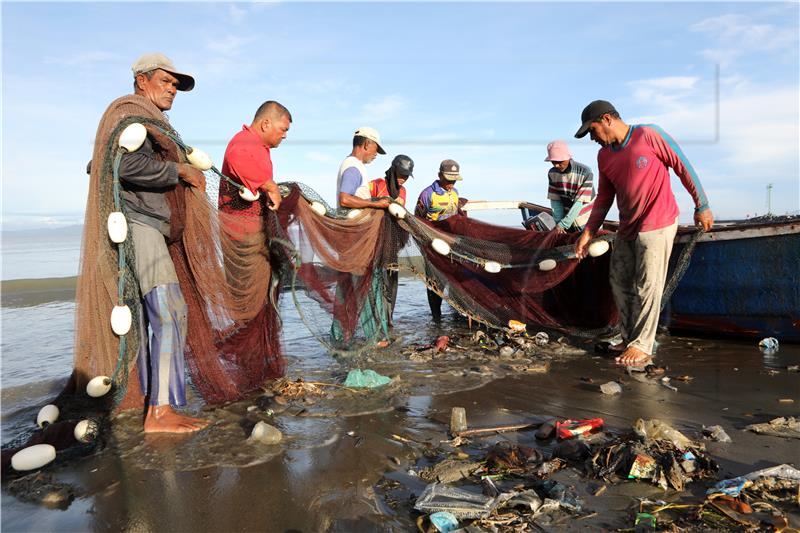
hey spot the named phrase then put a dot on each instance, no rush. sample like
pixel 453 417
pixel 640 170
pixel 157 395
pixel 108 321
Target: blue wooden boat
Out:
pixel 743 277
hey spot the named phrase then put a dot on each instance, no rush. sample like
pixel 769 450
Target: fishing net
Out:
pixel 234 258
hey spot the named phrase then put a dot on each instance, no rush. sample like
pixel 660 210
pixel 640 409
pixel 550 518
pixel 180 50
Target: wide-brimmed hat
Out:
pixel 371 134
pixel 155 60
pixel 592 112
pixel 450 170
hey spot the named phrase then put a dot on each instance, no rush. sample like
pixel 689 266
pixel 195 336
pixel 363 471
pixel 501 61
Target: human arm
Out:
pixel 142 169
pixel 568 219
pixel 558 214
pixel 351 181
pixel 602 203
pixel 271 189
pixel 668 151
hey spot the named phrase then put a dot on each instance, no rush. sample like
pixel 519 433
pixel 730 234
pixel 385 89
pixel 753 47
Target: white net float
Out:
pixel 248 196
pixel 86 431
pixel 47 415
pixel 98 386
pixel 199 159
pixel 353 213
pixel 397 210
pixel 33 457
pixel 117 227
pixel 121 319
pixel 319 208
pixel 547 265
pixel 598 248
pixel 493 267
pixel 132 138
pixel 440 246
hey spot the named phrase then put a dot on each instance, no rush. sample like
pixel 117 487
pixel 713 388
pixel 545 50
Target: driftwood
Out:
pixel 496 429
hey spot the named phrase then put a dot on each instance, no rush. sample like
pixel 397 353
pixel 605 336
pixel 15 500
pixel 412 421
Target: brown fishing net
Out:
pixel 234 259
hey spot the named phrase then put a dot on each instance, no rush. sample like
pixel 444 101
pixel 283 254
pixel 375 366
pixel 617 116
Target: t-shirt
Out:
pixel 379 188
pixel 636 173
pixel 573 185
pixel 351 175
pixel 435 203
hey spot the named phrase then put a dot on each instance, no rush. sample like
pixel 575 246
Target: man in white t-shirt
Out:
pixel 353 174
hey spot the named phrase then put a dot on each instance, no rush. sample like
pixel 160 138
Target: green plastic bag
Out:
pixel 365 379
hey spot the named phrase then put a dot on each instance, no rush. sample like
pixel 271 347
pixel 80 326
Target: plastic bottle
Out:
pixel 769 344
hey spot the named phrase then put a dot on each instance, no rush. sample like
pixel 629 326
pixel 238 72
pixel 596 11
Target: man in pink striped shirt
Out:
pixel 633 166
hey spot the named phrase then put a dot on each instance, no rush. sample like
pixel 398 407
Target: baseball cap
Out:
pixel 450 169
pixel 592 112
pixel 558 151
pixel 156 60
pixel 371 134
pixel 403 165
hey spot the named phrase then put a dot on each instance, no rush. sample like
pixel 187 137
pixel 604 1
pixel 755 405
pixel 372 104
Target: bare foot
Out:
pixel 383 344
pixel 164 419
pixel 618 348
pixel 634 357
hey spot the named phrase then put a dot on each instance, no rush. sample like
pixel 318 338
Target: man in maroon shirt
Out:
pixel 633 164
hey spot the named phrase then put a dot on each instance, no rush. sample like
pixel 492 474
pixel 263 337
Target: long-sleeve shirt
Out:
pixel 144 180
pixel 571 193
pixel 637 173
pixel 436 203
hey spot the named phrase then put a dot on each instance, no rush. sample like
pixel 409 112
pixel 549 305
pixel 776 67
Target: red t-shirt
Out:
pixel 637 174
pixel 247 161
pixel 378 188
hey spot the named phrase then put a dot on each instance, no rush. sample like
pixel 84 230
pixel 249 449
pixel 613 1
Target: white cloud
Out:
pixel 664 91
pixel 737 35
pixel 318 157
pixel 384 109
pixel 85 60
pixel 230 45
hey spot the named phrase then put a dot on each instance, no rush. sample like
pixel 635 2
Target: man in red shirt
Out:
pixel 247 161
pixel 633 164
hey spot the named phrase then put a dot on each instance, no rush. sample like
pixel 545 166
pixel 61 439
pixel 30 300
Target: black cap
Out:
pixel 592 112
pixel 403 165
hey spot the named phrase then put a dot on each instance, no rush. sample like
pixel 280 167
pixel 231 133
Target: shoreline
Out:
pixel 36 291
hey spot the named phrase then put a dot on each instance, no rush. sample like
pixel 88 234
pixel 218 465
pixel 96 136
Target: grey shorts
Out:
pixel 153 264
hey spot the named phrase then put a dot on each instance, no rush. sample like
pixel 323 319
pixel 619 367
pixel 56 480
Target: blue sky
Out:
pixel 487 84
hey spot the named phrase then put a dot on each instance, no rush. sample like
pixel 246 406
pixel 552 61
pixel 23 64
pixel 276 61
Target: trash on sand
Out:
pixel 716 433
pixel 516 326
pixel 449 471
pixel 655 429
pixel 265 434
pixel 769 345
pixel 541 338
pixel 644 520
pixel 733 487
pixel 458 420
pixel 566 497
pixel 644 467
pixel 568 429
pixel 612 387
pixel 42 488
pixel 441 343
pixel 573 450
pixel 665 382
pixel 527 499
pixel 506 456
pixel 459 502
pixel 546 430
pixel 370 379
pixel 788 428
pixel 506 351
pixel 444 522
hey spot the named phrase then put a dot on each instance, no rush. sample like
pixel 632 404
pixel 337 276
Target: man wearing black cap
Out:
pixel 633 164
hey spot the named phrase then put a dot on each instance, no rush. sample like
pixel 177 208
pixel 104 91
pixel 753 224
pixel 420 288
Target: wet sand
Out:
pixel 323 479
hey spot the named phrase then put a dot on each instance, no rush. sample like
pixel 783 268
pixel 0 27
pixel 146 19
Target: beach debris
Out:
pixel 567 429
pixel 443 521
pixel 715 433
pixel 98 386
pixel 358 378
pixel 516 326
pixel 734 486
pixel 572 450
pixel 527 499
pixel 458 420
pixel 769 345
pixel 496 429
pixel 505 456
pixel 541 339
pixel 43 489
pixel 47 415
pixel 788 428
pixel 644 467
pixel 506 351
pixel 459 502
pixel 265 434
pixel 33 457
pixel 441 343
pixel 785 400
pixel 612 387
pixel 546 430
pixel 657 430
pixel 565 496
pixel 665 383
pixel 449 471
pixel 653 371
pixel 644 522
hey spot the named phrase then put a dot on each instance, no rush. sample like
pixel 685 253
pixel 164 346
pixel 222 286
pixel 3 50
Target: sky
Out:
pixel 486 84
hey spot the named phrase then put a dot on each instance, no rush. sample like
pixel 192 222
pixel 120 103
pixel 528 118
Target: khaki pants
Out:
pixel 638 274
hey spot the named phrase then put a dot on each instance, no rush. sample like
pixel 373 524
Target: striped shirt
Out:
pixel 568 187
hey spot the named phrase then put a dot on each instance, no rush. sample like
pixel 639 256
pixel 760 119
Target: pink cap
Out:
pixel 558 151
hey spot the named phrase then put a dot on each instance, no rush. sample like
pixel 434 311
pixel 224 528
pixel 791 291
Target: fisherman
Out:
pixel 352 172
pixel 439 201
pixel 633 164
pixel 570 189
pixel 146 177
pixel 247 162
pixel 391 186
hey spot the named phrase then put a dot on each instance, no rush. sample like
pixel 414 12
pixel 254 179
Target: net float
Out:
pixel 86 431
pixel 33 457
pixel 264 433
pixel 397 210
pixel 248 196
pixel 492 267
pixel 598 248
pixel 353 213
pixel 117 227
pixel 547 265
pixel 132 138
pixel 47 415
pixel 516 326
pixel 199 159
pixel 98 386
pixel 121 319
pixel 319 208
pixel 440 246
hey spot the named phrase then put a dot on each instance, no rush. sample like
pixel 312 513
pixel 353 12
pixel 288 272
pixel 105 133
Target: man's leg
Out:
pixel 653 249
pixel 435 303
pixel 622 278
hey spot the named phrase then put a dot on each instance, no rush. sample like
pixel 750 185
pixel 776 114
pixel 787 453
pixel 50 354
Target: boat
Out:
pixel 743 276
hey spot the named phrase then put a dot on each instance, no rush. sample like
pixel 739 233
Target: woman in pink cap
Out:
pixel 570 189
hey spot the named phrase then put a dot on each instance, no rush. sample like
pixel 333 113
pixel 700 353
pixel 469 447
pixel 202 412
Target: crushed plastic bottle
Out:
pixel 612 387
pixel 769 345
pixel 541 338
